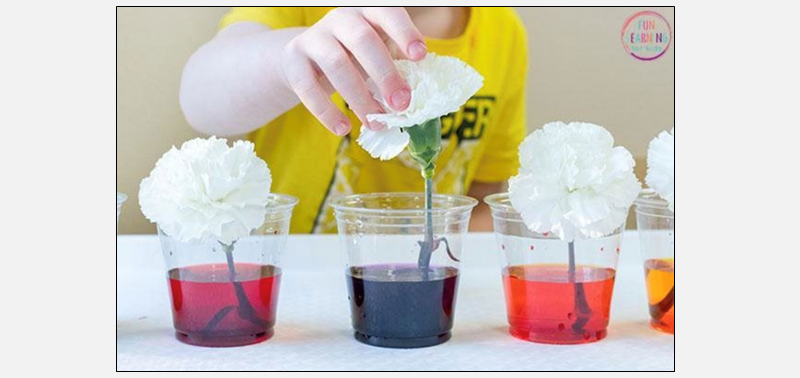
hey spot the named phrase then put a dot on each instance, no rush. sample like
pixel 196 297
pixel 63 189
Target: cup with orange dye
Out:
pixel 656 225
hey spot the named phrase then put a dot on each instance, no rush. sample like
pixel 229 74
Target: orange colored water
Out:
pixel 660 276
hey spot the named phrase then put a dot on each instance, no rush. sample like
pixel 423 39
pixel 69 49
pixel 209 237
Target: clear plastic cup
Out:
pixel 556 292
pixel 227 296
pixel 121 198
pixel 399 297
pixel 656 225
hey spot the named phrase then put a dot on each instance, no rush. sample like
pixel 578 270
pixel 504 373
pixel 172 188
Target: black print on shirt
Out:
pixel 469 123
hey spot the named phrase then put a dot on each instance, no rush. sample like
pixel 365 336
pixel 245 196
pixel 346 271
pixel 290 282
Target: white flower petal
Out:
pixel 573 181
pixel 207 190
pixel 661 166
pixel 385 144
pixel 440 85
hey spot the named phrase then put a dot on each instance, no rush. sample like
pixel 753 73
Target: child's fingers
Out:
pixel 395 22
pixel 368 48
pixel 336 64
pixel 303 78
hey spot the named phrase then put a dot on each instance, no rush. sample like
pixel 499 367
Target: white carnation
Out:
pixel 440 85
pixel 573 182
pixel 661 166
pixel 207 190
pixel 384 144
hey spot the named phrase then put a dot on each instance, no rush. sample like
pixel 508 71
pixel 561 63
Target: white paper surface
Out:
pixel 313 330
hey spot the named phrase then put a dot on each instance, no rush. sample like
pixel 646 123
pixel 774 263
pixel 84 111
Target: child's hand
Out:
pixel 332 54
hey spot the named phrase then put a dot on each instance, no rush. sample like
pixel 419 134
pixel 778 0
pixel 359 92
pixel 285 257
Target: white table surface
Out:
pixel 313 330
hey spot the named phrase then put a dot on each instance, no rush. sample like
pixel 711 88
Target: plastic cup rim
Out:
pixel 288 202
pixel 649 200
pixel 495 201
pixel 467 204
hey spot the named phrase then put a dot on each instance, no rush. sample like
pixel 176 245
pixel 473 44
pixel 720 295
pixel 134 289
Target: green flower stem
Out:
pixel 425 144
pixel 427 246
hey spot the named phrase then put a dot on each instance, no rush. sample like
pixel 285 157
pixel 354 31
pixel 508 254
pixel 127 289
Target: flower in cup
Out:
pixel 206 190
pixel 661 166
pixel 573 182
pixel 440 85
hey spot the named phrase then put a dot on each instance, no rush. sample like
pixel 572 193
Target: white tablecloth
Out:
pixel 314 332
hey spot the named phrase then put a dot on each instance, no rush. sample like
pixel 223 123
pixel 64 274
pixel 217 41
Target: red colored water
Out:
pixel 545 306
pixel 210 310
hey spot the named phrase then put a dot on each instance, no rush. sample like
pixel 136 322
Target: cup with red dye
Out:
pixel 656 224
pixel 556 292
pixel 400 295
pixel 227 296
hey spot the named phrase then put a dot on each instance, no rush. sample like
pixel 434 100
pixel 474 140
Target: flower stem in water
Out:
pixel 245 309
pixel 662 308
pixel 582 310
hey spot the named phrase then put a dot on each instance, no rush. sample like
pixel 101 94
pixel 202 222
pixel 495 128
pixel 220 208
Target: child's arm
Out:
pixel 250 74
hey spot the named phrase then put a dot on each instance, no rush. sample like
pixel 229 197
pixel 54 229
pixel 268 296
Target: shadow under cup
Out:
pixel 656 224
pixel 556 292
pixel 227 295
pixel 400 297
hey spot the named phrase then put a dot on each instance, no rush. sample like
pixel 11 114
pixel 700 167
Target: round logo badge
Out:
pixel 646 35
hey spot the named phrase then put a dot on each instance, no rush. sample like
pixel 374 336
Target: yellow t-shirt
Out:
pixel 479 142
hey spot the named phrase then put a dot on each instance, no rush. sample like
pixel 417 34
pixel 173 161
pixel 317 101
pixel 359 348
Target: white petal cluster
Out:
pixel 207 190
pixel 573 182
pixel 661 166
pixel 440 85
pixel 383 144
